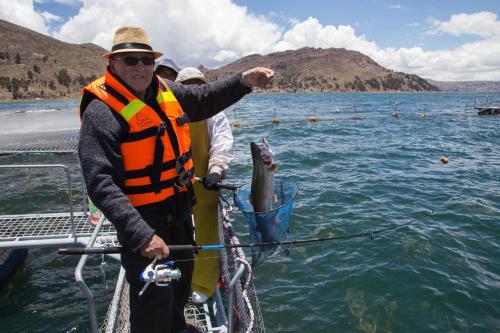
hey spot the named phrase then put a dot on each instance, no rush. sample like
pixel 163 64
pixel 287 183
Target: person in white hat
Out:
pixel 135 154
pixel 212 145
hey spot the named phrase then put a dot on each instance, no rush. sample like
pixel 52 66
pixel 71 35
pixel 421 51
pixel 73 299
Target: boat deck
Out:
pixel 49 230
pixel 491 111
pixel 484 106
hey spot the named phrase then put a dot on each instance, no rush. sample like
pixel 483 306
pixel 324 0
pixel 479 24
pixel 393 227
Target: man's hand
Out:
pixel 258 77
pixel 212 181
pixel 156 247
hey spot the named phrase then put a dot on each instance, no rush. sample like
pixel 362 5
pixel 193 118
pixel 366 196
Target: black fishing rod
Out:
pixel 289 243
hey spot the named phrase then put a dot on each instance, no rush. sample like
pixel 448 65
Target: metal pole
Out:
pixel 81 283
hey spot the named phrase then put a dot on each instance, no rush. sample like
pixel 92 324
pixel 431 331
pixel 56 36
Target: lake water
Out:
pixel 440 274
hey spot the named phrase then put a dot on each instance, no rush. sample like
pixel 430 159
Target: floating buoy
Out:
pixel 275 118
pixel 423 115
pixel 236 121
pixel 312 119
pixel 443 159
pixel 394 114
pixel 337 109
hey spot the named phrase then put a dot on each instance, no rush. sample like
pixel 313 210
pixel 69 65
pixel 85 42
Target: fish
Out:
pixel 262 189
pixel 266 224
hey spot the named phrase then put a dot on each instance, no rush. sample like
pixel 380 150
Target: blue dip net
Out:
pixel 271 226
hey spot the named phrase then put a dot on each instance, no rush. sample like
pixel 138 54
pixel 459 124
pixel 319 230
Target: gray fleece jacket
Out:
pixel 102 133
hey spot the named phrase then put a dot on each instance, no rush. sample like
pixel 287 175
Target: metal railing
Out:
pixel 483 101
pixel 30 238
pixel 81 281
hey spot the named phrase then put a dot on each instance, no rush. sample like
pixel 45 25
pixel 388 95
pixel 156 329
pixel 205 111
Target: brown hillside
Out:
pixel 33 65
pixel 311 69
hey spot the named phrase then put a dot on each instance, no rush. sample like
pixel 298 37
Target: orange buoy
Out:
pixel 236 124
pixel 312 119
pixel 443 159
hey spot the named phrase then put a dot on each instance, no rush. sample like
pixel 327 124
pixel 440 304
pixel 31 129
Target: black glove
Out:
pixel 212 181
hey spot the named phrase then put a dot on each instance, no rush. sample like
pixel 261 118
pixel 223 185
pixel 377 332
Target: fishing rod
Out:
pixel 289 243
pixel 211 247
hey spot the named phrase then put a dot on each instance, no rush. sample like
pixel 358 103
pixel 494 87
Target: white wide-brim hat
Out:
pixel 190 73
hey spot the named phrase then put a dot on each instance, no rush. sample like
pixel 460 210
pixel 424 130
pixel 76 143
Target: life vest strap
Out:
pixel 150 188
pixel 155 173
pixel 112 91
pixel 139 173
pixel 183 176
pixel 137 136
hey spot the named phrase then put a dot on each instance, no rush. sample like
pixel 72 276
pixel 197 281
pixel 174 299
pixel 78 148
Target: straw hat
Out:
pixel 131 39
pixel 190 73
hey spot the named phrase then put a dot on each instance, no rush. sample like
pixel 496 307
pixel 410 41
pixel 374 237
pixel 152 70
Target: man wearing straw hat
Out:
pixel 135 154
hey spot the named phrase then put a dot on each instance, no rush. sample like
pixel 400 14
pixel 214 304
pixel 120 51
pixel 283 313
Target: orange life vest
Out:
pixel 157 151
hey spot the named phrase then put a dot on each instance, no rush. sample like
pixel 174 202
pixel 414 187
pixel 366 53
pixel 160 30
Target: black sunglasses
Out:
pixel 132 61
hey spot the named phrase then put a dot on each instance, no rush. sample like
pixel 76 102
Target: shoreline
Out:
pixel 34 100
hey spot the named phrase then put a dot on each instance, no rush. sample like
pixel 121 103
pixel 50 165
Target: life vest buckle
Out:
pixel 182 120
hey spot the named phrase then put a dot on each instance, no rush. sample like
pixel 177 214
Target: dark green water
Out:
pixel 441 274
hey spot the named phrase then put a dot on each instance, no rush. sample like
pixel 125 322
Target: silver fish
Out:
pixel 262 197
pixel 262 190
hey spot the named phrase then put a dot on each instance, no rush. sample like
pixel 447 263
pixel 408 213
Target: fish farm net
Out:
pixel 247 317
pixel 270 226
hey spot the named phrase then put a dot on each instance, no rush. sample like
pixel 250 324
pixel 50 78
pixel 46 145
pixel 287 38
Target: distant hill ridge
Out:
pixel 326 70
pixel 467 86
pixel 33 65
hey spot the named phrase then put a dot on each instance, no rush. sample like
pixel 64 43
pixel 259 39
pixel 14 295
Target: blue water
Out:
pixel 440 274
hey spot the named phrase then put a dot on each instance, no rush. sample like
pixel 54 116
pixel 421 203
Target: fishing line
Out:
pixel 370 234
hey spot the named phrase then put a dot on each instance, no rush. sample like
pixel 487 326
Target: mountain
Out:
pixel 33 65
pixel 467 86
pixel 316 69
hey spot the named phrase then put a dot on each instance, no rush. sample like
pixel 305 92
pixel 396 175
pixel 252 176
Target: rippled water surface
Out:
pixel 440 274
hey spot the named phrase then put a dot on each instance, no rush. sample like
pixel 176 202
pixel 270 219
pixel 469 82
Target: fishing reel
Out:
pixel 161 274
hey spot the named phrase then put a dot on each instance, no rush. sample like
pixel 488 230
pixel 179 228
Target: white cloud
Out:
pixel 22 12
pixel 482 24
pixel 49 17
pixel 216 32
pixel 192 32
pixel 311 33
pixel 479 60
pixel 395 6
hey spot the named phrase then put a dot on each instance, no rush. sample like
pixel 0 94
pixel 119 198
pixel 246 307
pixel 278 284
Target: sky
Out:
pixel 447 40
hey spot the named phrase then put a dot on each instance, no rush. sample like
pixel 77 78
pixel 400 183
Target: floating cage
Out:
pixel 271 226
